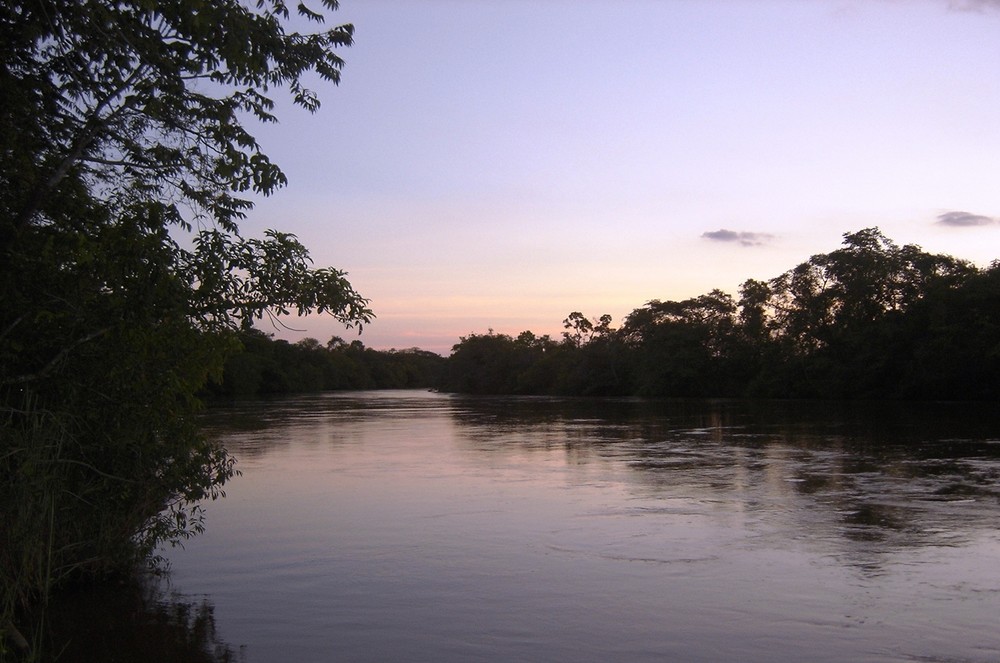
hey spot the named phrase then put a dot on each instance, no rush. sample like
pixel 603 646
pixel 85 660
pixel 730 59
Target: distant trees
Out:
pixel 266 366
pixel 682 347
pixel 497 364
pixel 869 320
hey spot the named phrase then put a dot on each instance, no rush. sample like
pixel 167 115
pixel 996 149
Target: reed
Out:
pixel 32 489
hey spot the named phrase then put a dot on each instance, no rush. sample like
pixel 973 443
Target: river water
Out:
pixel 415 526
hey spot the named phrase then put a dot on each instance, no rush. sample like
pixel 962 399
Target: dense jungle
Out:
pixel 869 320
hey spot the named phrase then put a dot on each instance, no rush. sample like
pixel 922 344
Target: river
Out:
pixel 415 526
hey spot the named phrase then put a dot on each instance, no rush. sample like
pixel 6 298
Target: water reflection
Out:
pixel 416 526
pixel 886 476
pixel 257 427
pixel 137 620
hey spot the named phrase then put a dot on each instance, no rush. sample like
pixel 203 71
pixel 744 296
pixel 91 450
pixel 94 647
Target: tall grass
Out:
pixel 88 493
pixel 32 492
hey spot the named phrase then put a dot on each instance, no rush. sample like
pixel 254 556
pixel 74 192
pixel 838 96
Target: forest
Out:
pixel 869 320
pixel 267 366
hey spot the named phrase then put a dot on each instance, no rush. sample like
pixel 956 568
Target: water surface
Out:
pixel 413 526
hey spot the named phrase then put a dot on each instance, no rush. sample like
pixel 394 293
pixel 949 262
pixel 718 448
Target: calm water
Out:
pixel 412 526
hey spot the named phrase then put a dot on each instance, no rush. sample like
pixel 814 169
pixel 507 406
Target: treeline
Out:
pixel 268 366
pixel 868 320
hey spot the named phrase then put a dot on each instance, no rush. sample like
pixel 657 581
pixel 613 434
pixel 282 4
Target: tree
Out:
pixel 485 364
pixel 582 329
pixel 682 348
pixel 122 129
pixel 839 316
pixel 142 101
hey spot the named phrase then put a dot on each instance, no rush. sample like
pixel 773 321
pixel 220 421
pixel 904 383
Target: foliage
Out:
pixel 122 129
pixel 585 362
pixel 868 320
pixel 142 101
pixel 266 366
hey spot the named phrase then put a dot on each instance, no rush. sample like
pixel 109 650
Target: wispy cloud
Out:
pixel 965 219
pixel 973 5
pixel 741 238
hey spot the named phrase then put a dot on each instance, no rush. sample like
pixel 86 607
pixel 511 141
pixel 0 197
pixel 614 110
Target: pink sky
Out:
pixel 501 164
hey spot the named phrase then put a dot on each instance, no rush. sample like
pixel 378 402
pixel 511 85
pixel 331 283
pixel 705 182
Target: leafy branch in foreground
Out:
pixel 145 99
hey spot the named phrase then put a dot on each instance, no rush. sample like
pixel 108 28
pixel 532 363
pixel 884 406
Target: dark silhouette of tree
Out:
pixel 266 366
pixel 681 348
pixel 125 166
pixel 838 315
pixel 869 320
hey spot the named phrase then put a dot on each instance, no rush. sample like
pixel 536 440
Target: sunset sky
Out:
pixel 499 164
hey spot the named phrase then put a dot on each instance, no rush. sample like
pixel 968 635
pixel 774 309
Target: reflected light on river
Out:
pixel 412 526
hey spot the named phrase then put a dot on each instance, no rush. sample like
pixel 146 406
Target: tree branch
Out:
pixel 55 361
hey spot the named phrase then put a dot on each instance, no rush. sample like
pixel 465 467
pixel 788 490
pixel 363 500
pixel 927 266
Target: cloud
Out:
pixel 965 219
pixel 973 5
pixel 741 238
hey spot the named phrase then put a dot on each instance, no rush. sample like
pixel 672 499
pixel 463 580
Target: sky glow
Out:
pixel 499 164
